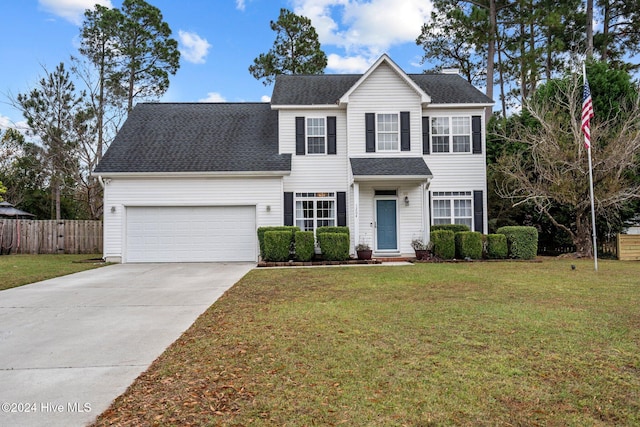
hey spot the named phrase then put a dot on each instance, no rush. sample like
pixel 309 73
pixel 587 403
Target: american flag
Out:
pixel 587 113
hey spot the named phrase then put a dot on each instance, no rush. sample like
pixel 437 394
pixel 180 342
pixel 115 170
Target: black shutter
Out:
pixel 478 211
pixel 288 208
pixel 430 212
pixel 331 135
pixel 370 123
pixel 426 143
pixel 300 143
pixel 342 208
pixel 405 135
pixel 476 134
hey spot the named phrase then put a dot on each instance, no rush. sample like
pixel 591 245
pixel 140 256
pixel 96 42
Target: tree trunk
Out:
pixel 491 52
pixel 589 29
pixel 583 237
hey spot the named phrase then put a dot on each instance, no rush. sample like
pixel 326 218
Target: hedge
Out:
pixel 456 228
pixel 334 246
pixel 468 245
pixel 497 246
pixel 277 245
pixel 262 230
pixel 522 241
pixel 326 229
pixel 305 247
pixel 444 245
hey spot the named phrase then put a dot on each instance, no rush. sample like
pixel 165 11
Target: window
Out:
pixel 453 207
pixel 451 134
pixel 388 132
pixel 316 136
pixel 315 210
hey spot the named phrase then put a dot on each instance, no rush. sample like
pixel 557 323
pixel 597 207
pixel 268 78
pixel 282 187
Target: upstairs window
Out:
pixel 451 134
pixel 316 135
pixel 388 132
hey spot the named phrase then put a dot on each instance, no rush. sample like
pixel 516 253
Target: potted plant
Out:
pixel 364 251
pixel 423 250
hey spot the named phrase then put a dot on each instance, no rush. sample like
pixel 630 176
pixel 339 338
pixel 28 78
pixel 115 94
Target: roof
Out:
pixel 8 211
pixel 327 89
pixel 197 137
pixel 390 166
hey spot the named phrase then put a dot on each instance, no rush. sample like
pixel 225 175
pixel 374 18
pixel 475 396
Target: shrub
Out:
pixel 522 241
pixel 456 228
pixel 277 245
pixel 343 230
pixel 497 246
pixel 304 245
pixel 334 246
pixel 262 230
pixel 444 245
pixel 468 244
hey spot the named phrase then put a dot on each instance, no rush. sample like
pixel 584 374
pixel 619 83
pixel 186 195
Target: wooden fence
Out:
pixel 26 236
pixel 629 247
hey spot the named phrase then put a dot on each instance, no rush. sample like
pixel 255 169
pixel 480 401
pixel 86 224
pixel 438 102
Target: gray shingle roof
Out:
pixel 390 166
pixel 197 137
pixel 326 89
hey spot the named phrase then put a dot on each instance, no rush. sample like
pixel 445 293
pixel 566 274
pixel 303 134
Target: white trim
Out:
pixel 440 106
pixel 307 107
pixel 363 178
pixel 218 174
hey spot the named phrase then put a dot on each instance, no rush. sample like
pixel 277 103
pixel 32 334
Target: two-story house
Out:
pixel 386 153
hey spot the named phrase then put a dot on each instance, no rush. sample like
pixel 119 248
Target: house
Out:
pixel 386 153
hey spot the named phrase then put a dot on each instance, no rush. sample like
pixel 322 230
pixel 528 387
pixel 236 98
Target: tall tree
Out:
pixel 296 50
pixel 551 172
pixel 619 35
pixel 146 52
pixel 55 112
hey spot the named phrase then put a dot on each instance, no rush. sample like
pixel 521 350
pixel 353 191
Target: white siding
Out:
pixel 383 92
pixel 263 193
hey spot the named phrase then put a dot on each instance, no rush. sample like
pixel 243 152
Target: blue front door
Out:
pixel 387 225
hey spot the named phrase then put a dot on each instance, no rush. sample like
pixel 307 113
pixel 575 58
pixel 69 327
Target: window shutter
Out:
pixel 405 135
pixel 300 137
pixel 342 208
pixel 288 208
pixel 331 135
pixel 476 134
pixel 370 123
pixel 426 143
pixel 478 211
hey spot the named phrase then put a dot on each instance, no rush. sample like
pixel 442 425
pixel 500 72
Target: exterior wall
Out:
pixel 264 193
pixel 383 92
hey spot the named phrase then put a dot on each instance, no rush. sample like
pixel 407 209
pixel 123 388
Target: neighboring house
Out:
pixel 385 153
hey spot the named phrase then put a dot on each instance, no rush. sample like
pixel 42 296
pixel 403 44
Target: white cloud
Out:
pixel 193 48
pixel 348 65
pixel 265 98
pixel 364 29
pixel 71 10
pixel 240 5
pixel 213 97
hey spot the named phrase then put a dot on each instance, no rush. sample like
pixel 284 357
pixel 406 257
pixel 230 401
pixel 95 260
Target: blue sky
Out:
pixel 218 39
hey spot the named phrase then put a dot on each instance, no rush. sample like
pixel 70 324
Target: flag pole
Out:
pixel 587 141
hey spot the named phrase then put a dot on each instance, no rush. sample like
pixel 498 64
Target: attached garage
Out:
pixel 190 233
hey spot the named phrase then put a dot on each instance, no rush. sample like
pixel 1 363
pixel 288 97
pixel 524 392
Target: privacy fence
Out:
pixel 23 236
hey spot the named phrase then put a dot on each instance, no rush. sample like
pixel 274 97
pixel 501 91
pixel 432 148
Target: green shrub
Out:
pixel 468 244
pixel 456 228
pixel 262 230
pixel 522 241
pixel 444 245
pixel 497 246
pixel 334 246
pixel 304 245
pixel 277 245
pixel 322 230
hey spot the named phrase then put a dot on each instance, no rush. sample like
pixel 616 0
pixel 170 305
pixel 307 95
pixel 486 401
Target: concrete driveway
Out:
pixel 69 346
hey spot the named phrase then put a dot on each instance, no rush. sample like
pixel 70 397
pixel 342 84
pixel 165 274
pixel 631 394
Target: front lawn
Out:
pixel 504 343
pixel 18 270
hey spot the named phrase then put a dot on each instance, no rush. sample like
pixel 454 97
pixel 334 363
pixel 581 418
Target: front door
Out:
pixel 386 225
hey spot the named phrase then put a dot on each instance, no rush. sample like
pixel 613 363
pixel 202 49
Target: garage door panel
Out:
pixel 190 234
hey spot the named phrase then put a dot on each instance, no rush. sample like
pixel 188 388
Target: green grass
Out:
pixel 18 270
pixel 488 344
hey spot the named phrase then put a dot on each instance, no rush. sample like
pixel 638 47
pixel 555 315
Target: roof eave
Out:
pixel 209 174
pixel 461 105
pixel 362 178
pixel 306 106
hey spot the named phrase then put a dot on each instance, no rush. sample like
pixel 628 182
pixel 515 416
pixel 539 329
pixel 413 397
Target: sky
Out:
pixel 218 40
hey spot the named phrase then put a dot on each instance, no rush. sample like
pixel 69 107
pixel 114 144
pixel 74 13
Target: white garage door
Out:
pixel 191 234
